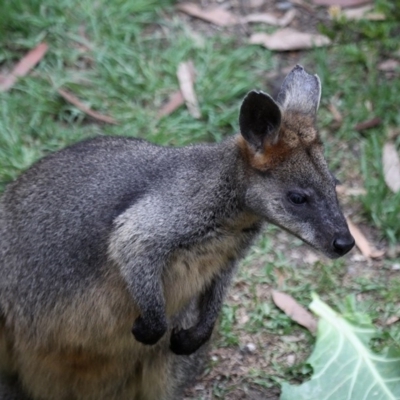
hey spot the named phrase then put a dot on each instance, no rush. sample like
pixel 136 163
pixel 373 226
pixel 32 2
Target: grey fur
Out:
pixel 114 235
pixel 300 92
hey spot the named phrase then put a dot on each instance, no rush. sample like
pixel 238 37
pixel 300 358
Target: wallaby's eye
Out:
pixel 297 198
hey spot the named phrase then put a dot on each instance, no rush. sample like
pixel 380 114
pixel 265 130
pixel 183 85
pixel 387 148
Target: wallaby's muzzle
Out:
pixel 343 244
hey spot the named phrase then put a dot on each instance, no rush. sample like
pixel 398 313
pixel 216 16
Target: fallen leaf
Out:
pixel 288 17
pixel 367 250
pixel 215 15
pixel 266 18
pixel 186 78
pixel 391 167
pixel 78 104
pixel 392 320
pixel 364 12
pixel 388 65
pixel 294 310
pixel 341 3
pixel 271 19
pixel 371 123
pixel 350 191
pixel 174 102
pixel 289 39
pixel 337 116
pixel 24 66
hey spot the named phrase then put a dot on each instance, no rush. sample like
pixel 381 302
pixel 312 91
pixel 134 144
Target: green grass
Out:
pixel 125 66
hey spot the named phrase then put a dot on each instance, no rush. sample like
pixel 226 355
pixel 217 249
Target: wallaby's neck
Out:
pixel 232 173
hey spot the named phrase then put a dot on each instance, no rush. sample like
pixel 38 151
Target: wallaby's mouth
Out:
pixel 339 246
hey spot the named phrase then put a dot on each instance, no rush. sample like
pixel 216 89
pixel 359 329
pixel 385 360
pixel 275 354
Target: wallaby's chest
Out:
pixel 192 268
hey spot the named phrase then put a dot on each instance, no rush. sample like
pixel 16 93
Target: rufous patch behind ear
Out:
pixel 300 92
pixel 259 120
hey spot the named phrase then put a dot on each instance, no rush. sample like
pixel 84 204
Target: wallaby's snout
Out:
pixel 289 182
pixel 343 244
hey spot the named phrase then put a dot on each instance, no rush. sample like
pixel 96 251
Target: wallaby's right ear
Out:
pixel 259 120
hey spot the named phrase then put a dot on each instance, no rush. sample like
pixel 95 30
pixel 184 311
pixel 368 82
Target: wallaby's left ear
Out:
pixel 260 119
pixel 300 92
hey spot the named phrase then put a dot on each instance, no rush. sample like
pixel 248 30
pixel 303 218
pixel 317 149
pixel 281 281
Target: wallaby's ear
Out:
pixel 260 119
pixel 300 92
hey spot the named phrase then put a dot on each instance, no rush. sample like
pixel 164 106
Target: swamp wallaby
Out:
pixel 115 254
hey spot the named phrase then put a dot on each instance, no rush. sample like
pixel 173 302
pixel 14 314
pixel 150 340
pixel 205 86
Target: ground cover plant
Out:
pixel 120 59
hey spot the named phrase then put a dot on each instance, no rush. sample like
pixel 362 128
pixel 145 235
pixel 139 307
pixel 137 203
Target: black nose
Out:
pixel 343 245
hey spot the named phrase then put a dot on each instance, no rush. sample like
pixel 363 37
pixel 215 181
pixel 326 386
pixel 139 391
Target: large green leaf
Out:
pixel 344 366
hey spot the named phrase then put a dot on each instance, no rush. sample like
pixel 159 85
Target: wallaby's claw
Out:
pixel 148 333
pixel 186 341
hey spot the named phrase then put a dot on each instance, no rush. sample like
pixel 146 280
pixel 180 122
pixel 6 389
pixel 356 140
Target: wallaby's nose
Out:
pixel 343 244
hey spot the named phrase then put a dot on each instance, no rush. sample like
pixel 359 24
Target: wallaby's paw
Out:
pixel 148 333
pixel 186 341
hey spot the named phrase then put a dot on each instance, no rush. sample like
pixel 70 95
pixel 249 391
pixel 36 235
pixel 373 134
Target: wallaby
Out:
pixel 115 254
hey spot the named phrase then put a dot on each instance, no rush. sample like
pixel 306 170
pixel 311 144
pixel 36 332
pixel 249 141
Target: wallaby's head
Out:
pixel 289 183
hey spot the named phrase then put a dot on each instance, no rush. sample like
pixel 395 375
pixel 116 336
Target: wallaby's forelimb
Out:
pixel 141 261
pixel 187 341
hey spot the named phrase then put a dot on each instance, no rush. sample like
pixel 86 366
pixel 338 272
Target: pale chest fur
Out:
pixel 192 269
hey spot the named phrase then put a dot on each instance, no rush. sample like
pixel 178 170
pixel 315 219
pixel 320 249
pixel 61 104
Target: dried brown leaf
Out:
pixel 337 116
pixel 389 65
pixel 371 123
pixel 24 66
pixel 266 18
pixel 391 167
pixel 78 104
pixel 294 310
pixel 367 250
pixel 287 39
pixel 174 102
pixel 364 12
pixel 271 19
pixel 341 3
pixel 392 320
pixel 288 17
pixel 185 76
pixel 215 15
pixel 350 191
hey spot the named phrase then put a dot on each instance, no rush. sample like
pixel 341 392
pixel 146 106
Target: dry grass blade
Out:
pixel 78 104
pixel 289 39
pixel 391 167
pixel 186 83
pixel 24 66
pixel 174 102
pixel 341 3
pixel 367 250
pixel 215 15
pixel 294 310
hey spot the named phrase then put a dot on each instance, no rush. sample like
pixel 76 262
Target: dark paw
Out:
pixel 186 341
pixel 148 333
